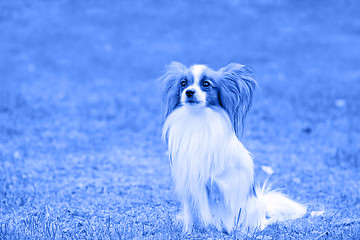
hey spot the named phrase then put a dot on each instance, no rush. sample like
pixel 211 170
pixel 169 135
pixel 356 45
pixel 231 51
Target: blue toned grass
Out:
pixel 80 115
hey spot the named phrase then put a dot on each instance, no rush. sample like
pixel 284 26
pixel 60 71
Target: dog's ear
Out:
pixel 170 86
pixel 237 85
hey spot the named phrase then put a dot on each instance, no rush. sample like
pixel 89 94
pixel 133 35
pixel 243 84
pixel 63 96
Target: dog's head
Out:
pixel 230 88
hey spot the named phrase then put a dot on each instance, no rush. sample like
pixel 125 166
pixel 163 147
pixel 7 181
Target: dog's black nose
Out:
pixel 190 93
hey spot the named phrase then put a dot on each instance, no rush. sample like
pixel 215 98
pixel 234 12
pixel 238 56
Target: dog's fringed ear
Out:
pixel 236 92
pixel 170 86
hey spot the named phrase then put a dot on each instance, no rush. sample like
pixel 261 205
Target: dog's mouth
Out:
pixel 192 101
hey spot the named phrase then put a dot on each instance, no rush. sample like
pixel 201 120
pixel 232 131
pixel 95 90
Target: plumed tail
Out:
pixel 268 206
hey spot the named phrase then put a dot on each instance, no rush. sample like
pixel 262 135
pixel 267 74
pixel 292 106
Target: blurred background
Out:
pixel 80 111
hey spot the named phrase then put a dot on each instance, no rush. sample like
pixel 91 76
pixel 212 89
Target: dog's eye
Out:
pixel 206 84
pixel 183 83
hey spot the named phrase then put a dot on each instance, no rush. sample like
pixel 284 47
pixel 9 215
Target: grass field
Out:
pixel 80 113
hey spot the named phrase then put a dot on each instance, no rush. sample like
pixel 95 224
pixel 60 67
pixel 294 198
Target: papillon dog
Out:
pixel 212 170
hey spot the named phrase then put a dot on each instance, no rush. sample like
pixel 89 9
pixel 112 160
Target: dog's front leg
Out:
pixel 217 205
pixel 186 215
pixel 227 194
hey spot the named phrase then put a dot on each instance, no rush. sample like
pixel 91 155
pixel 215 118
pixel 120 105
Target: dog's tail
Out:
pixel 268 206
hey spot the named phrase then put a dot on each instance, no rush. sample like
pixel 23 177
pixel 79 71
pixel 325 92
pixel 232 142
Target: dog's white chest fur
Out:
pixel 204 149
pixel 194 134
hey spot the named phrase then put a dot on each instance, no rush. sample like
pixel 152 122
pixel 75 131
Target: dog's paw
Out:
pixel 213 192
pixel 179 217
pixel 187 229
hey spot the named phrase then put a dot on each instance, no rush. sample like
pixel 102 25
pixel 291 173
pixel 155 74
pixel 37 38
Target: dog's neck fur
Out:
pixel 199 139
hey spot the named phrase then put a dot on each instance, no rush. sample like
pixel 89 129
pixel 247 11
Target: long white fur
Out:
pixel 214 173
